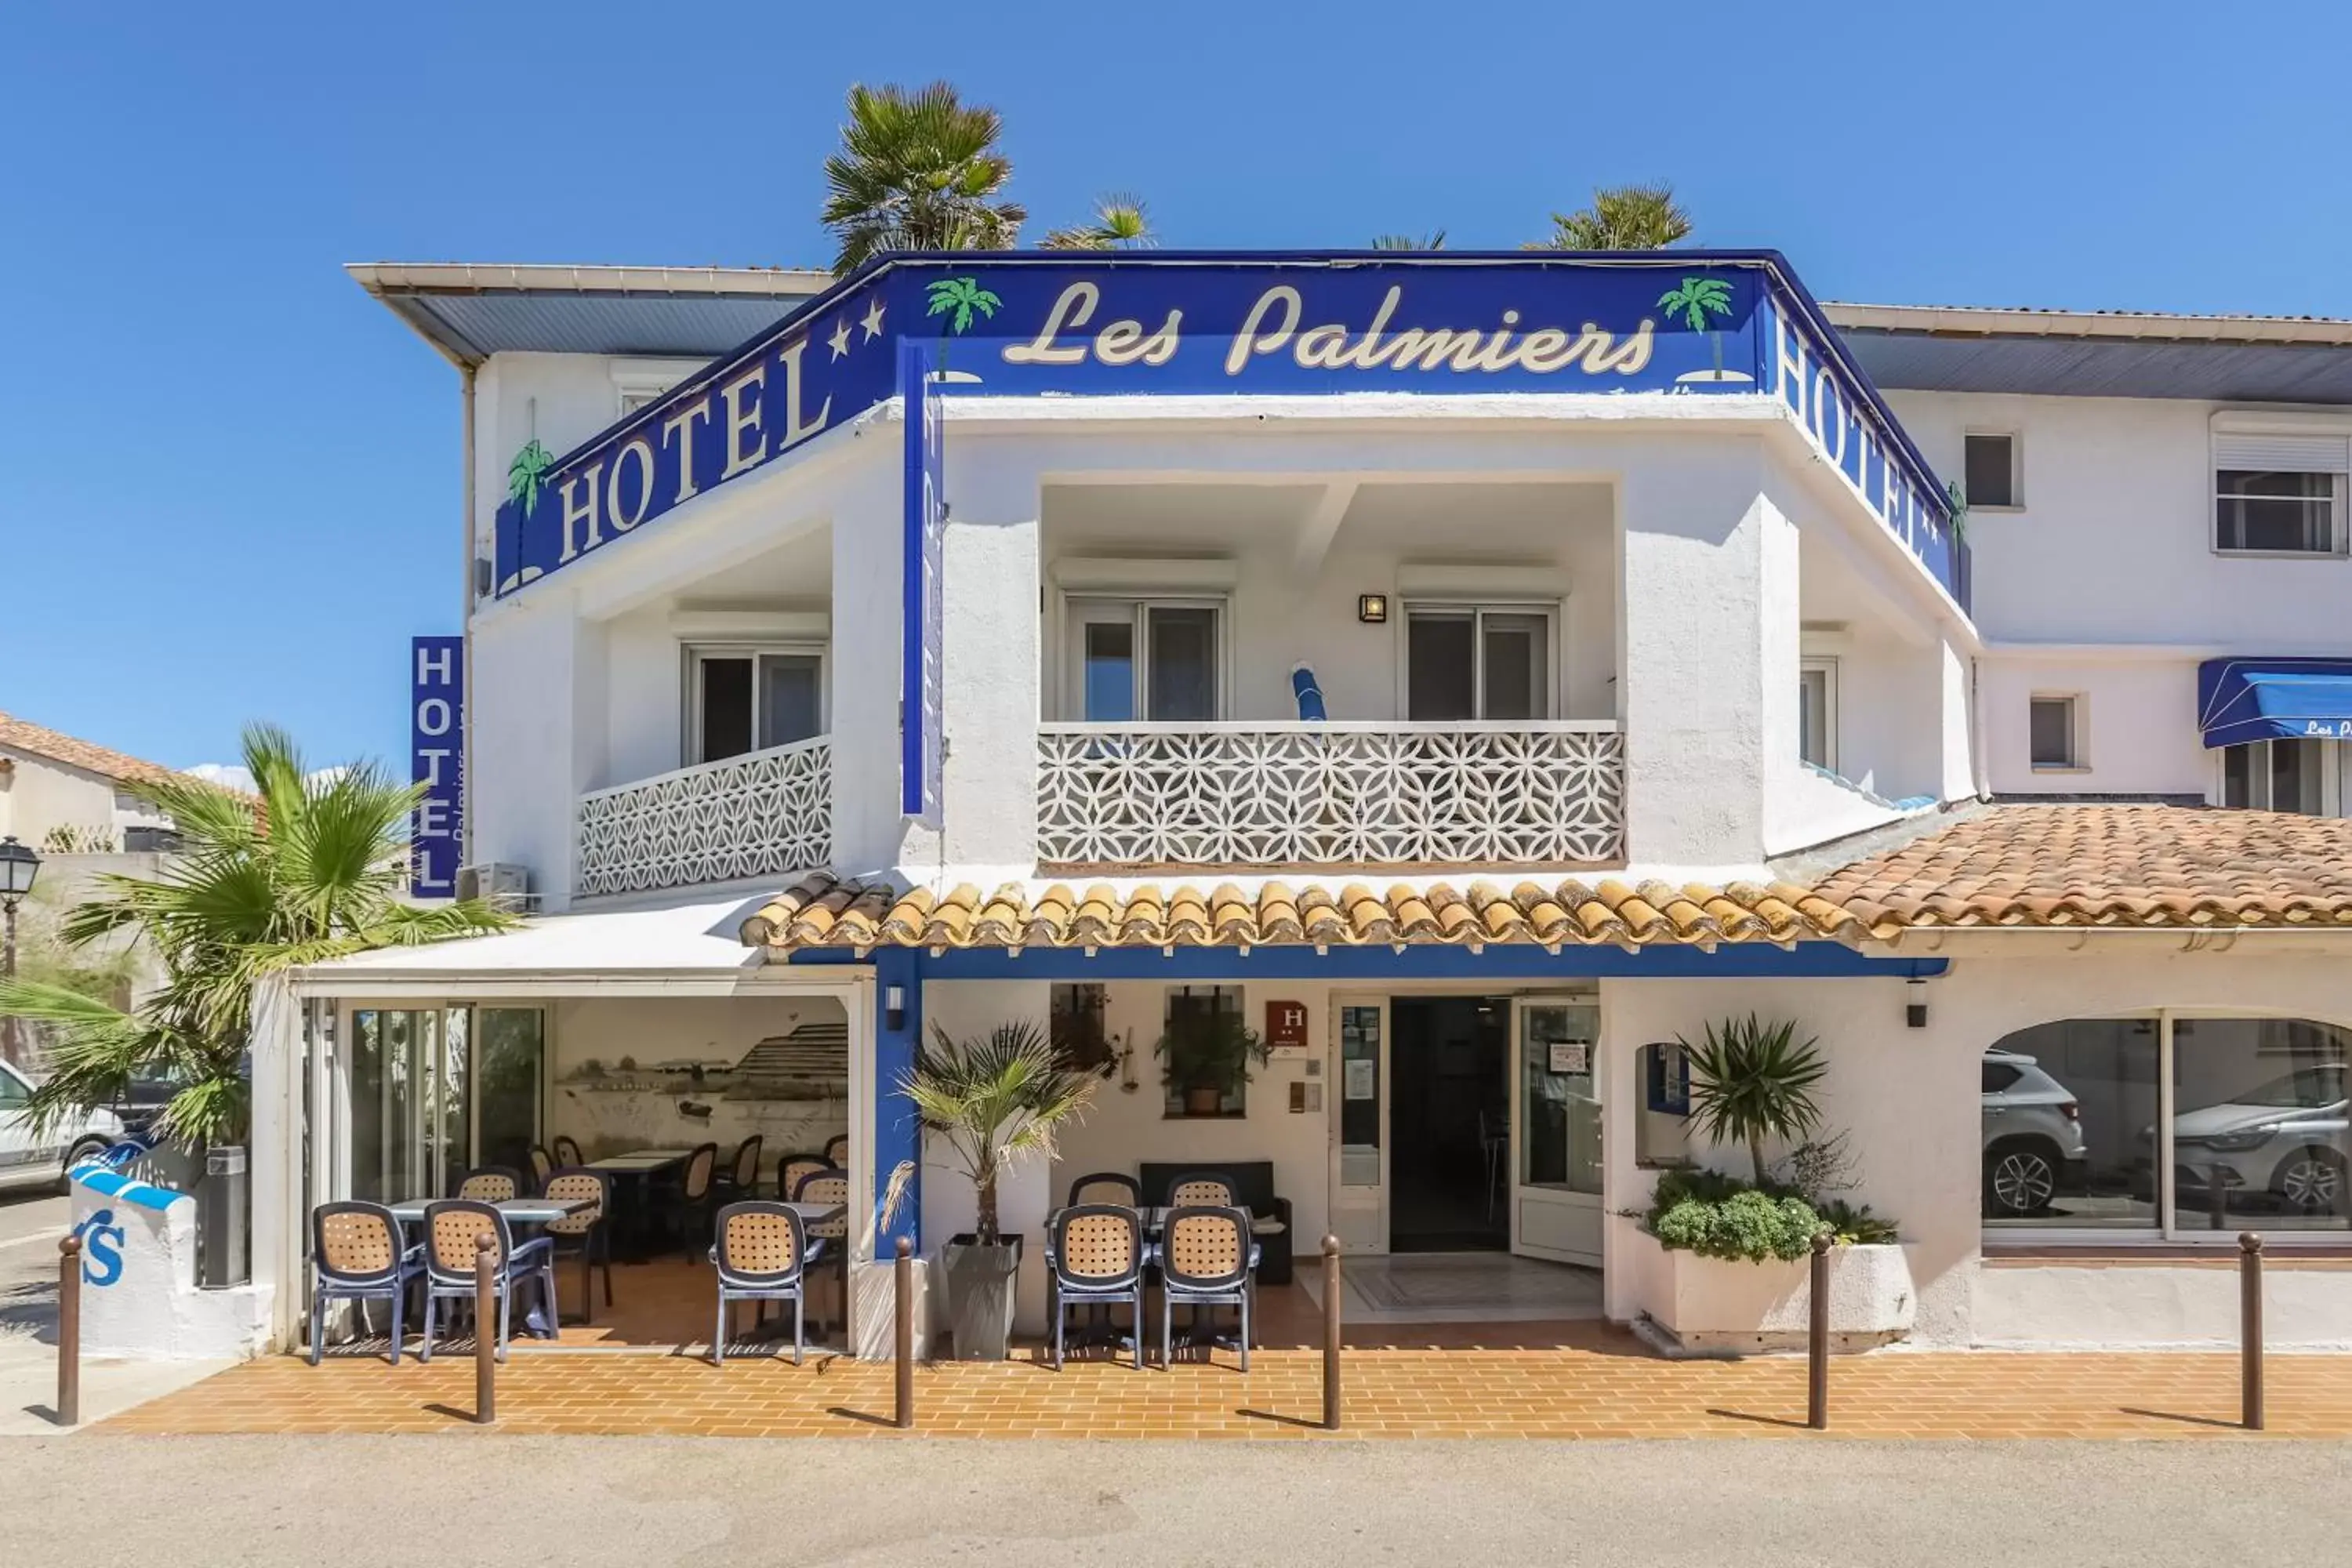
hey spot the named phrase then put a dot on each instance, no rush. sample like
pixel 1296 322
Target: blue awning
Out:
pixel 2243 700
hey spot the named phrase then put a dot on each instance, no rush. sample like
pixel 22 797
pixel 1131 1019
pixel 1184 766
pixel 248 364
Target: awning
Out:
pixel 2243 700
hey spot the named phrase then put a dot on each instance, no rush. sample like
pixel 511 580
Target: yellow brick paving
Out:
pixel 1611 1391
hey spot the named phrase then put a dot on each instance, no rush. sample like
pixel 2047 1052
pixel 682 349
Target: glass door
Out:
pixel 1555 1130
pixel 435 1091
pixel 1358 1086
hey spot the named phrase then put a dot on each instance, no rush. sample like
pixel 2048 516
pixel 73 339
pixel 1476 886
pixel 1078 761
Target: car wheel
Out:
pixel 87 1149
pixel 2020 1180
pixel 2311 1182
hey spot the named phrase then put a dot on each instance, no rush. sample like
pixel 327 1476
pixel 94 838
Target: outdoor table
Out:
pixel 517 1212
pixel 639 1171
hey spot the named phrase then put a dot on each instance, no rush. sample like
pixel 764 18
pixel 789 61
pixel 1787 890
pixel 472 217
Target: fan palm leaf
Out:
pixel 1622 217
pixel 994 1100
pixel 1120 223
pixel 917 170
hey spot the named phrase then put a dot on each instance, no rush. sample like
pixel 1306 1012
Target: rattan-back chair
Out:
pixel 357 1254
pixel 1201 1189
pixel 792 1169
pixel 1205 1256
pixel 490 1184
pixel 452 1234
pixel 567 1150
pixel 1094 1257
pixel 740 1176
pixel 836 1150
pixel 1108 1187
pixel 588 1232
pixel 697 1198
pixel 543 1165
pixel 761 1252
pixel 831 1187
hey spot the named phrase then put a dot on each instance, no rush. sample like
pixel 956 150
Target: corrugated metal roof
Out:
pixel 2101 353
pixel 470 311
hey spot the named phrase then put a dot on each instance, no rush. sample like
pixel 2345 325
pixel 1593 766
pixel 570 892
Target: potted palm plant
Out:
pixel 1207 1053
pixel 994 1100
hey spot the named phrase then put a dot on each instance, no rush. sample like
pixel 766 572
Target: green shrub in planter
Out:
pixel 1717 1216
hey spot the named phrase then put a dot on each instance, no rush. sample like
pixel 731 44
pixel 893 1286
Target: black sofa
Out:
pixel 1253 1183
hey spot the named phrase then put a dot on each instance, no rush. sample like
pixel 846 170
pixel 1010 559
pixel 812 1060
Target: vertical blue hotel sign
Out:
pixel 437 760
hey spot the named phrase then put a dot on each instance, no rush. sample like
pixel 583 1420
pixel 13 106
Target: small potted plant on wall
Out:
pixel 994 1100
pixel 1207 1054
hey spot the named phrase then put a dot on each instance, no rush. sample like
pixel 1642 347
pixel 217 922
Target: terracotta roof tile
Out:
pixel 2104 868
pixel 21 735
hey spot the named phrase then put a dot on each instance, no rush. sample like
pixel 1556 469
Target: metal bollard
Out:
pixel 1817 1337
pixel 69 1331
pixel 486 1329
pixel 2250 1330
pixel 903 1278
pixel 1331 1333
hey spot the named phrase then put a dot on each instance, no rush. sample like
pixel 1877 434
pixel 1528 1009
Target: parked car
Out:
pixel 2033 1147
pixel 143 1098
pixel 29 1161
pixel 2285 1138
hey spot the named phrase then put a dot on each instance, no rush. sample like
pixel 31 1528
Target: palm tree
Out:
pixel 1622 217
pixel 1119 223
pixel 995 1100
pixel 918 171
pixel 1753 1081
pixel 307 869
pixel 1435 241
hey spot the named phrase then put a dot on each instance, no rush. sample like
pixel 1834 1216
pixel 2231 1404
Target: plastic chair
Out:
pixel 831 1187
pixel 452 1233
pixel 1201 1189
pixel 586 1233
pixel 836 1150
pixel 491 1185
pixel 357 1255
pixel 1205 1256
pixel 1107 1187
pixel 794 1169
pixel 567 1150
pixel 1094 1257
pixel 697 1198
pixel 740 1178
pixel 761 1252
pixel 543 1165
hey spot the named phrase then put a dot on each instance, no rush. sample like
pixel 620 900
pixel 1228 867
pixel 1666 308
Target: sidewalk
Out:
pixel 1608 1388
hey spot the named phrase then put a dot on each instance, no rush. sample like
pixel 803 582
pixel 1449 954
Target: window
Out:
pixel 1662 1126
pixel 153 840
pixel 1158 661
pixel 2280 775
pixel 1477 663
pixel 1989 467
pixel 1817 713
pixel 1075 1025
pixel 2279 494
pixel 1205 1073
pixel 2188 1124
pixel 2055 732
pixel 12 1092
pixel 750 699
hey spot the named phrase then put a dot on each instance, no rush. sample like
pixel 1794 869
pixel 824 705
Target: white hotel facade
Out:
pixel 1511 701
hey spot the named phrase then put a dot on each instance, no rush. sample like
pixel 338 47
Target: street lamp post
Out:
pixel 19 867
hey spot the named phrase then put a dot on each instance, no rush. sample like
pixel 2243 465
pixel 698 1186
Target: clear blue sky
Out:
pixel 231 478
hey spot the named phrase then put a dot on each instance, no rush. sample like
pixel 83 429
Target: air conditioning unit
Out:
pixel 498 885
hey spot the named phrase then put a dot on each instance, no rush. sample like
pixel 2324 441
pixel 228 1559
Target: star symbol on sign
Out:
pixel 873 322
pixel 839 340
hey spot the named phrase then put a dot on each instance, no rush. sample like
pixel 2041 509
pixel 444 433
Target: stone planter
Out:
pixel 1710 1305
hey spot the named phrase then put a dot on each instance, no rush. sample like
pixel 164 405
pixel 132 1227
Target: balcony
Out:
pixel 753 815
pixel 1329 796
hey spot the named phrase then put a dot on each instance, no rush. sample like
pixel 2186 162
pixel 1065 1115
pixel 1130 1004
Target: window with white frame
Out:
pixel 1990 469
pixel 2298 775
pixel 1159 660
pixel 1478 661
pixel 752 698
pixel 2173 1123
pixel 1817 725
pixel 2054 731
pixel 2279 494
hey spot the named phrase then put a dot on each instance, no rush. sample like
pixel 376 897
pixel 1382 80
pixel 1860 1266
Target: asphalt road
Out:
pixel 30 1225
pixel 1727 1504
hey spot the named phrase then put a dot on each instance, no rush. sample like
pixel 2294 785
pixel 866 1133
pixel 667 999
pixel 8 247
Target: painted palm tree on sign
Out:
pixel 1696 302
pixel 958 299
pixel 524 474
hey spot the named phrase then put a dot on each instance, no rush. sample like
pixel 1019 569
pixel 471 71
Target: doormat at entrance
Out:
pixel 1474 1287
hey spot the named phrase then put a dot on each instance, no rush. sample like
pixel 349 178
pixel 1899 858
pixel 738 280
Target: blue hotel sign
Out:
pixel 1694 324
pixel 436 761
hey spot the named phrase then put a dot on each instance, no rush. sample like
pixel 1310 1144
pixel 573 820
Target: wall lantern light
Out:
pixel 894 1007
pixel 1915 1001
pixel 1372 609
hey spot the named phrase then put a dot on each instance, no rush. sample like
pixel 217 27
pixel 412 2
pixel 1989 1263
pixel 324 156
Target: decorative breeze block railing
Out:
pixel 1337 794
pixel 753 815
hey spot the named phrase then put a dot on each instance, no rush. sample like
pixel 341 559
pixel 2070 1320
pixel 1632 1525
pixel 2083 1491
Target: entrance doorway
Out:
pixel 1449 1123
